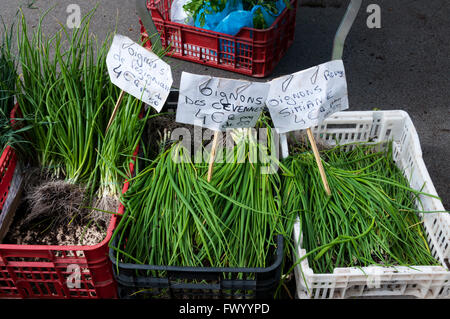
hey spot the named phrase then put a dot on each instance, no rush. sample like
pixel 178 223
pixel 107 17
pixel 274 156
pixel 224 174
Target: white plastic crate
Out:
pixel 375 281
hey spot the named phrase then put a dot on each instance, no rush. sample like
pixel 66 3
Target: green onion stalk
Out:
pixel 371 218
pixel 116 152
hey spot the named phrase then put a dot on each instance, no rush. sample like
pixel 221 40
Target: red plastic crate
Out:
pixel 11 184
pixel 41 271
pixel 8 162
pixel 251 52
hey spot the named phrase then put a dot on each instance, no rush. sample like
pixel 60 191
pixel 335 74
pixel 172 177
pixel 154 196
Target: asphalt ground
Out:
pixel 404 65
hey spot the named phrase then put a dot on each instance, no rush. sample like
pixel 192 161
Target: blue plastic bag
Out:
pixel 233 18
pixel 235 21
pixel 270 17
pixel 212 20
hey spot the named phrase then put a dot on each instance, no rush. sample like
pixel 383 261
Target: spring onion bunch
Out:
pixel 8 74
pixel 68 94
pixel 248 191
pixel 68 98
pixel 173 216
pixel 10 134
pixel 117 147
pixel 169 217
pixel 371 217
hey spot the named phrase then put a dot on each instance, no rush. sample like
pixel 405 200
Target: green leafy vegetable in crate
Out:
pixel 199 8
pixel 371 217
pixel 203 10
pixel 259 22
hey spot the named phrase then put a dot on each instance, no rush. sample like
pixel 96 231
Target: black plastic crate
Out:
pixel 150 281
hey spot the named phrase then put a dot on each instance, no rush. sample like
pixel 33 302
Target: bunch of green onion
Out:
pixel 67 97
pixel 10 134
pixel 247 192
pixel 173 216
pixel 8 74
pixel 370 218
pixel 117 148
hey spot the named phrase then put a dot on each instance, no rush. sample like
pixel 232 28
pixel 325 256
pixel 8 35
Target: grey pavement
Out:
pixel 404 65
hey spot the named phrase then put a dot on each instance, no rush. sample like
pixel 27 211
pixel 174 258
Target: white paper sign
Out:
pixel 139 72
pixel 218 103
pixel 304 99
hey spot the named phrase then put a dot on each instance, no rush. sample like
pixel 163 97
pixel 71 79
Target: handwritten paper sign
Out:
pixel 304 99
pixel 218 103
pixel 139 72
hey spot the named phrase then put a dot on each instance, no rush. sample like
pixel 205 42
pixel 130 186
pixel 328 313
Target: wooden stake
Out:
pixel 319 161
pixel 119 101
pixel 213 155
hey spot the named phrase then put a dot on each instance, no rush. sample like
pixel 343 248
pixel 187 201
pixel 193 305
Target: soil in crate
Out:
pixel 57 228
pixel 163 130
pixel 75 233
